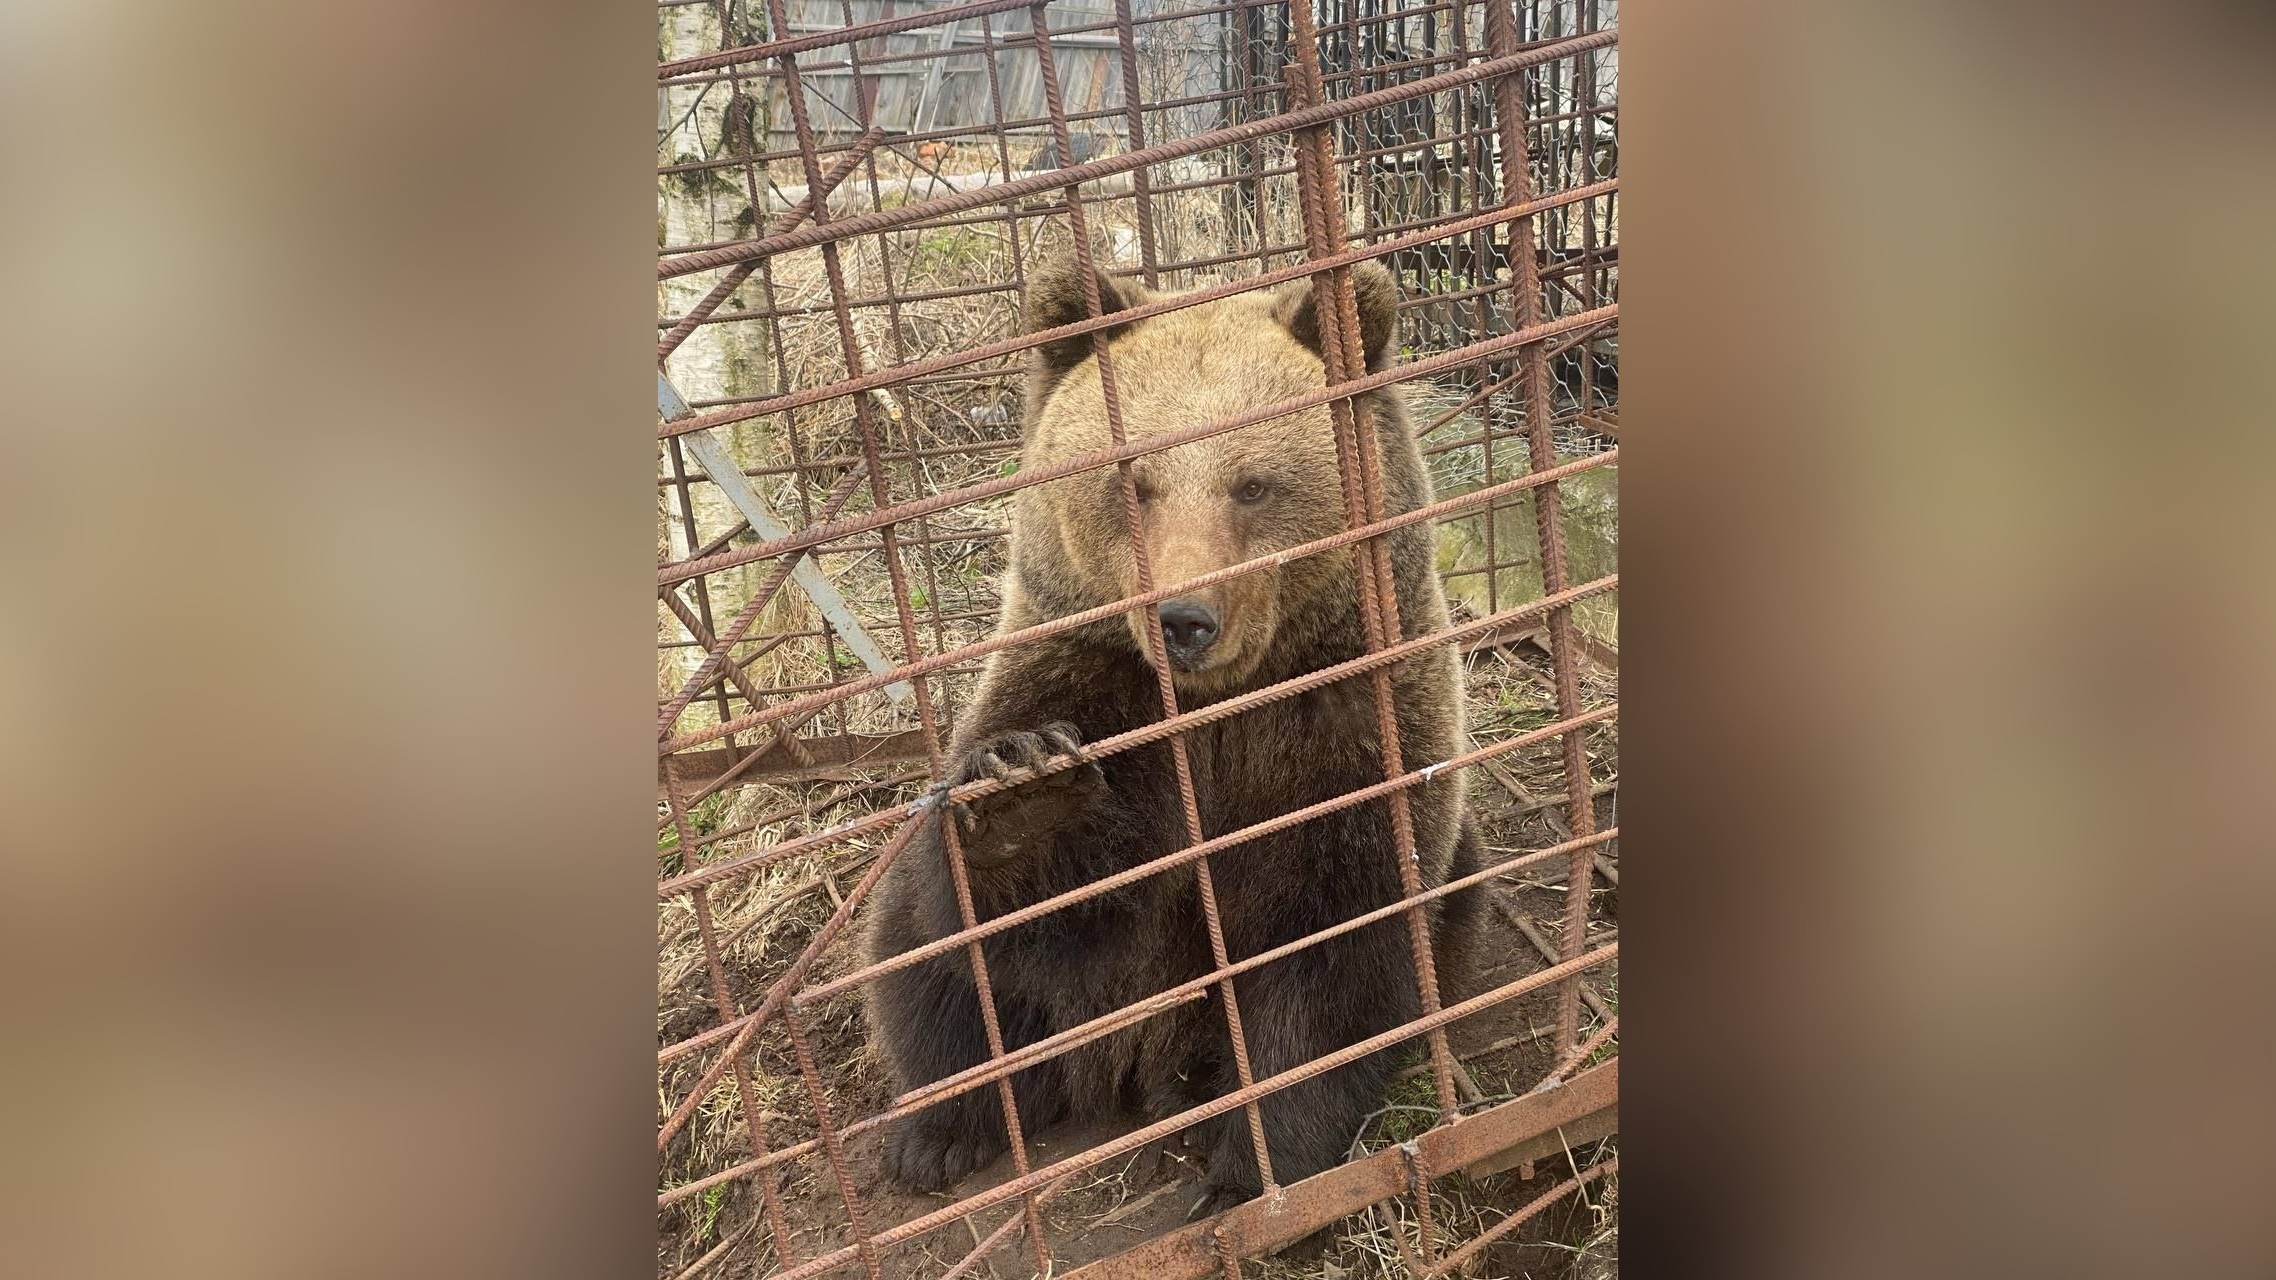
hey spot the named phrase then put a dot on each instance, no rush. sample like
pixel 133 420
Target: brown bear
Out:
pixel 1205 505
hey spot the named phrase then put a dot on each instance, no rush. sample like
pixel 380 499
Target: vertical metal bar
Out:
pixel 832 1145
pixel 754 1116
pixel 735 487
pixel 1141 183
pixel 1356 445
pixel 1182 765
pixel 1501 39
pixel 880 493
pixel 1418 1180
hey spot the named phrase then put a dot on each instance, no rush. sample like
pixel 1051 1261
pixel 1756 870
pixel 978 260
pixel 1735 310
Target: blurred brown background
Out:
pixel 325 666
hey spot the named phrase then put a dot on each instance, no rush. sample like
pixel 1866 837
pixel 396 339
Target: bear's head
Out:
pixel 1207 504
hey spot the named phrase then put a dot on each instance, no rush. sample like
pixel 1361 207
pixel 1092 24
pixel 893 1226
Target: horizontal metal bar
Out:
pixel 1290 1213
pixel 817 534
pixel 1477 220
pixel 1285 122
pixel 1139 737
pixel 830 755
pixel 1130 1142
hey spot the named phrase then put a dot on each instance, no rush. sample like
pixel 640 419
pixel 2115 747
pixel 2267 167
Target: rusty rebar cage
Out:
pixel 851 195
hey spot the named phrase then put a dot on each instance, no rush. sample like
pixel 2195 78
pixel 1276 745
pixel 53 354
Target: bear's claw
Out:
pixel 1008 824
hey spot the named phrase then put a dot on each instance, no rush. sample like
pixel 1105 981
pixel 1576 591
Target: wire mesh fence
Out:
pixel 865 213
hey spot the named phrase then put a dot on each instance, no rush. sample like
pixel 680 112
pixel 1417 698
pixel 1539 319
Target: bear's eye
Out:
pixel 1252 491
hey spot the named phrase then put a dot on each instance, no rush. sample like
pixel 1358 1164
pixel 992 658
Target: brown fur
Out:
pixel 1204 506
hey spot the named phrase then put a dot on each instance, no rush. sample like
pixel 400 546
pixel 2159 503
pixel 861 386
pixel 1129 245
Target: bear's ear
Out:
pixel 1378 296
pixel 1055 297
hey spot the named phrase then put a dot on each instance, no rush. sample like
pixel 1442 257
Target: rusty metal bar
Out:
pixel 1157 731
pixel 1303 1207
pixel 1501 38
pixel 1163 306
pixel 1455 1260
pixel 1073 1037
pixel 1441 192
pixel 720 466
pixel 927 666
pixel 815 535
pixel 816 233
pixel 1129 1142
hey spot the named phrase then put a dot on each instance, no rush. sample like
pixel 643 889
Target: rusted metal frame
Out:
pixel 700 626
pixel 746 54
pixel 1141 180
pixel 698 620
pixel 1584 92
pixel 1221 1246
pixel 1137 1138
pixel 1487 392
pixel 775 639
pixel 978 132
pixel 1438 225
pixel 717 657
pixel 817 534
pixel 900 140
pixel 788 46
pixel 1156 655
pixel 1531 1209
pixel 1604 1033
pixel 1170 862
pixel 789 219
pixel 1481 248
pixel 1532 934
pixel 858 859
pixel 1146 734
pixel 926 666
pixel 1501 36
pixel 865 425
pixel 734 772
pixel 754 1116
pixel 720 465
pixel 1003 148
pixel 1131 315
pixel 785 741
pixel 929 666
pixel 1159 17
pixel 1426 1229
pixel 816 309
pixel 827 756
pixel 778 994
pixel 817 231
pixel 794 438
pixel 1261 1225
pixel 1192 989
pixel 1153 1004
pixel 908 413
pixel 851 33
pixel 832 1144
pixel 1360 470
pixel 995 1239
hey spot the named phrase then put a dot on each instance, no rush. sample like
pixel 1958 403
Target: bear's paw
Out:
pixel 1017 821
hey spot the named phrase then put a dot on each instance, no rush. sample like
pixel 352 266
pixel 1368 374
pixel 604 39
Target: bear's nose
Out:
pixel 1189 626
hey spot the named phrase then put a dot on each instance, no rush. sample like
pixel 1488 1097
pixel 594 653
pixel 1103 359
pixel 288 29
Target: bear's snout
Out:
pixel 1189 628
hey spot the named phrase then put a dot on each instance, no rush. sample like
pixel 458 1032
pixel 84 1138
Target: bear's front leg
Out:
pixel 1018 821
pixel 1295 1011
pixel 929 1024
